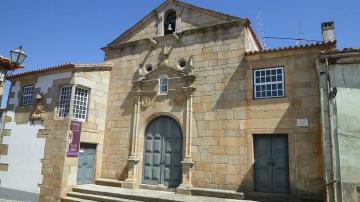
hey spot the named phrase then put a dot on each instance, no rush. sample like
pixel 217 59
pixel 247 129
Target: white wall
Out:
pixel 25 150
pixel 251 42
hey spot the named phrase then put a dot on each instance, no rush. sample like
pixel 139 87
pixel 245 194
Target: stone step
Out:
pixel 92 190
pixel 217 193
pixel 273 197
pixel 194 191
pixel 72 199
pixel 91 197
pixel 108 182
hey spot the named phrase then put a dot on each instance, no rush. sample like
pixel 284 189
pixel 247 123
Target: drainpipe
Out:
pixel 331 96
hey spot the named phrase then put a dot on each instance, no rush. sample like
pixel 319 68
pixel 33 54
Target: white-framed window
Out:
pixel 27 97
pixel 269 83
pixel 64 102
pixel 163 85
pixel 81 103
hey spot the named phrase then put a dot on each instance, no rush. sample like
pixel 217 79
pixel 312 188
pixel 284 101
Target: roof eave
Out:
pixel 8 65
pixel 62 68
pixel 327 45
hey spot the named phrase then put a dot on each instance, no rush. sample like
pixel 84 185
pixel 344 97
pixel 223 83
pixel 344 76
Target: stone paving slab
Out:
pixel 171 196
pixel 6 200
pixel 13 195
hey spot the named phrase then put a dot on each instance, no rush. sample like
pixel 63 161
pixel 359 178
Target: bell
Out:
pixel 170 28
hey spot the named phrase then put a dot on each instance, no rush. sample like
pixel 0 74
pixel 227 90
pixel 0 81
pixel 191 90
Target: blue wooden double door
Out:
pixel 271 169
pixel 86 163
pixel 163 153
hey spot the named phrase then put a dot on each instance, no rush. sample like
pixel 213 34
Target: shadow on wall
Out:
pixel 124 172
pixel 234 92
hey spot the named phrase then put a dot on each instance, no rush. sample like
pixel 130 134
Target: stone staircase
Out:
pixel 92 192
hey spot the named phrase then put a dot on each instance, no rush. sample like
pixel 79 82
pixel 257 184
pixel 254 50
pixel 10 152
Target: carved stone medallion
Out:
pixel 146 102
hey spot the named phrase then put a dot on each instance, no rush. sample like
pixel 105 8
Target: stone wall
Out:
pixel 225 114
pixel 213 50
pixel 93 129
pixel 57 183
pixel 56 171
pixel 190 19
pixel 25 145
pixel 280 115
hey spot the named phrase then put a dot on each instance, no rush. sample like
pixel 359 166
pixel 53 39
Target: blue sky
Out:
pixel 55 32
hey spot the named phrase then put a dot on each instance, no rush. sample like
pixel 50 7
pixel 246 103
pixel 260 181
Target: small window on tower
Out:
pixel 163 85
pixel 170 22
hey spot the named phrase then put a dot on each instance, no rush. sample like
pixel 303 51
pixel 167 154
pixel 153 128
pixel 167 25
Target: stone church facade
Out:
pixel 188 99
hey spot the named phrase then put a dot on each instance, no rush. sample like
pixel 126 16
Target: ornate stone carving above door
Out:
pixel 38 113
pixel 145 102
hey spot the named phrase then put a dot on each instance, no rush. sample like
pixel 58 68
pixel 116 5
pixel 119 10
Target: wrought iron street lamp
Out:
pixel 17 56
pixel 7 67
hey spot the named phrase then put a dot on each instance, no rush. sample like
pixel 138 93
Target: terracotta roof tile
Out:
pixel 345 50
pixel 43 70
pixel 61 67
pixel 327 45
pixel 7 64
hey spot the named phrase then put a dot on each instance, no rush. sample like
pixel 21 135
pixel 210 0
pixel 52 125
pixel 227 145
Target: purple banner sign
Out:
pixel 74 139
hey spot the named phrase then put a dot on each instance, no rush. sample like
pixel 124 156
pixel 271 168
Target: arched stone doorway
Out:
pixel 162 152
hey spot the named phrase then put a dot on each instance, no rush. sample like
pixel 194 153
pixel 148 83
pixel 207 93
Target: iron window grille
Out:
pixel 64 102
pixel 81 103
pixel 269 83
pixel 27 98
